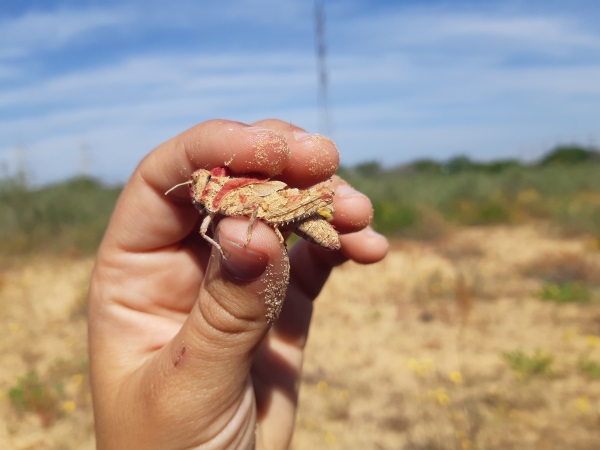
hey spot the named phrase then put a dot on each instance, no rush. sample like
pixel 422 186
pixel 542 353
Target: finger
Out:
pixel 365 246
pixel 145 219
pixel 353 209
pixel 208 362
pixel 313 158
pixel 216 143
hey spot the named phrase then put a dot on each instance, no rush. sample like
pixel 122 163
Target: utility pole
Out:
pixel 324 122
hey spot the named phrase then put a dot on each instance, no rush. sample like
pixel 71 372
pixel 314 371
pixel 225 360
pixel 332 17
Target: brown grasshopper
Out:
pixel 306 212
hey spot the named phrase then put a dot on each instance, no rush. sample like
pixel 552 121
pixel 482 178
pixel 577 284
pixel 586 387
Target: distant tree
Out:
pixel 459 164
pixel 426 166
pixel 368 169
pixel 570 154
pixel 501 165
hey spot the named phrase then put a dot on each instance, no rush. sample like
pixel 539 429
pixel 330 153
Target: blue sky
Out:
pixel 93 86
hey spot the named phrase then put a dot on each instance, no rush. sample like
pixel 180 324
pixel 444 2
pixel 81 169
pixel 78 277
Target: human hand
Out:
pixel 182 355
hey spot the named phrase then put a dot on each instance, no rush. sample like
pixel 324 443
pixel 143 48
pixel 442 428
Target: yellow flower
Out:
pixel 592 340
pixel 440 395
pixel 583 405
pixel 68 406
pixel 422 367
pixel 443 398
pixel 330 438
pixel 456 377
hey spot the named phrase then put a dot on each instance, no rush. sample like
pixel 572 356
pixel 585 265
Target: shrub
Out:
pixel 64 216
pixel 31 394
pixel 524 365
pixel 589 367
pixel 570 154
pixel 392 218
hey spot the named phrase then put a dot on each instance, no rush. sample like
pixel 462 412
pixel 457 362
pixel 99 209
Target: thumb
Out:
pixel 207 364
pixel 246 288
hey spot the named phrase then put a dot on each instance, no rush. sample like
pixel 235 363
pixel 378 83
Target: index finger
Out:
pixel 144 219
pixel 216 143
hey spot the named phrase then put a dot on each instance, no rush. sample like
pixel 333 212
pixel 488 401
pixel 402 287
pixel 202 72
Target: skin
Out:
pixel 182 355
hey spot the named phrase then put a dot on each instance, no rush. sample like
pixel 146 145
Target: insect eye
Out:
pixel 208 178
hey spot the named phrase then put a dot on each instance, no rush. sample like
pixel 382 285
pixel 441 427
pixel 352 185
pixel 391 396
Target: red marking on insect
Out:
pixel 231 185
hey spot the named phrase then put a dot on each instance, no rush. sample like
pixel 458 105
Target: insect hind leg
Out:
pixel 203 232
pixel 250 227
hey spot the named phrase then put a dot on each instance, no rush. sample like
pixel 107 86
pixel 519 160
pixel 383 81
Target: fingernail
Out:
pixel 374 238
pixel 370 232
pixel 302 135
pixel 241 264
pixel 348 191
pixel 257 130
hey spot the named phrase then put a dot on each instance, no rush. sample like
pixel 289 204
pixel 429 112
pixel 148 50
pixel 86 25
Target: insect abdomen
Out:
pixel 318 231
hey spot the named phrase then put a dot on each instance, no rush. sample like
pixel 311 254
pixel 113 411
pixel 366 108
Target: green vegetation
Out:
pixel 563 189
pixel 524 365
pixel 589 367
pixel 68 216
pixel 567 277
pixel 570 154
pixel 567 292
pixel 53 394
pixel 32 394
pixel 422 200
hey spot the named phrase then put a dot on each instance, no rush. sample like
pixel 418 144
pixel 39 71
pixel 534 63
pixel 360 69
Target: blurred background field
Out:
pixel 480 330
pixel 421 200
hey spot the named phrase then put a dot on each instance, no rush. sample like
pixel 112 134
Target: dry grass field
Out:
pixel 486 339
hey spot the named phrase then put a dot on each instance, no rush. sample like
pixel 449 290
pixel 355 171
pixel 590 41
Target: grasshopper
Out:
pixel 306 212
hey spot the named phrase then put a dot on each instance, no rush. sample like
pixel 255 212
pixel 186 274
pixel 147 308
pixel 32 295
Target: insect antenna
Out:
pixel 178 185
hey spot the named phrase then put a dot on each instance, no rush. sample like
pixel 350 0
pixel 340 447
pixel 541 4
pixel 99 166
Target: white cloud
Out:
pixel 140 79
pixel 538 31
pixel 36 31
pixel 464 33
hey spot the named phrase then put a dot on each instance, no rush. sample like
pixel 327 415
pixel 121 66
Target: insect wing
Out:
pixel 299 204
pixel 267 188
